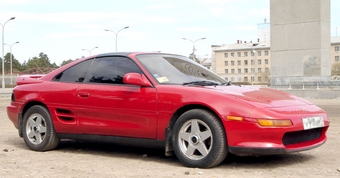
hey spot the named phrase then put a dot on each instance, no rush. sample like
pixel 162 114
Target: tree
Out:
pixel 16 66
pixel 335 69
pixel 193 57
pixel 41 61
pixel 66 62
pixel 265 76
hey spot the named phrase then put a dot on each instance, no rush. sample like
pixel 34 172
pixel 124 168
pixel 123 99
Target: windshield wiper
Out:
pixel 226 83
pixel 202 83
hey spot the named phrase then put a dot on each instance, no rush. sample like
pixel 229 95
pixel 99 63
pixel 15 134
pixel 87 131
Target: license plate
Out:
pixel 313 122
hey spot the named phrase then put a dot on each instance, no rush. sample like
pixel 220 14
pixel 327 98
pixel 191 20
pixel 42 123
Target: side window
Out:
pixel 110 70
pixel 75 73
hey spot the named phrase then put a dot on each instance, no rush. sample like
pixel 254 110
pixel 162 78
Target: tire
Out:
pixel 199 139
pixel 38 131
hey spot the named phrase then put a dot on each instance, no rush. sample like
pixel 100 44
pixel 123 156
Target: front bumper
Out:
pixel 274 149
pixel 247 137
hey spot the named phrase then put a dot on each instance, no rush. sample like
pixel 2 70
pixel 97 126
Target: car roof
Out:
pixel 129 53
pixel 114 53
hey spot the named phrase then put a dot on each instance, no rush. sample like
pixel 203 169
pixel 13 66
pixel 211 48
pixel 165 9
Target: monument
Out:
pixel 300 41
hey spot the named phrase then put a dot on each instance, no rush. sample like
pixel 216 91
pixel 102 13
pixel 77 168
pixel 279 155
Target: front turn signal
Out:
pixel 234 118
pixel 274 123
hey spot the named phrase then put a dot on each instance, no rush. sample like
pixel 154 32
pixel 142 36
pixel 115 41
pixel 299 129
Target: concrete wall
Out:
pixel 317 94
pixel 300 40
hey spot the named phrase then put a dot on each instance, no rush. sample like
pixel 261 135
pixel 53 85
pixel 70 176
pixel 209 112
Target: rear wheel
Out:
pixel 38 131
pixel 199 139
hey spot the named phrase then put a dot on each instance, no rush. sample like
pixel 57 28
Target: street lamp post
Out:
pixel 3 55
pixel 193 46
pixel 254 58
pixel 89 50
pixel 116 33
pixel 10 48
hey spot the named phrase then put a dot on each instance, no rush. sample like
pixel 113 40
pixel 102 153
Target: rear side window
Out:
pixel 110 70
pixel 75 73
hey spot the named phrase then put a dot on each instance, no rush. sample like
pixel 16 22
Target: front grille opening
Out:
pixel 301 136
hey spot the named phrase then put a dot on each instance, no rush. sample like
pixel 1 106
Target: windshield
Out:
pixel 174 69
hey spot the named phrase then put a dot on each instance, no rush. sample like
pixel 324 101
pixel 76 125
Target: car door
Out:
pixel 107 106
pixel 60 97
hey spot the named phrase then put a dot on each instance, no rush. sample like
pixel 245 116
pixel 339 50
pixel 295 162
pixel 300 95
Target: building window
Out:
pixel 336 58
pixel 246 79
pixel 252 53
pixel 259 62
pixel 232 79
pixel 267 69
pixel 252 70
pixel 336 48
pixel 245 70
pixel 266 53
pixel 239 71
pixel 232 71
pixel 245 54
pixel 238 54
pixel 259 70
pixel 266 61
pixel 266 78
pixel 225 54
pixel 238 62
pixel 259 53
pixel 245 62
pixel 252 78
pixel 252 62
pixel 240 79
pixel 232 63
pixel 232 54
pixel 226 63
pixel 226 78
pixel 259 79
pixel 226 71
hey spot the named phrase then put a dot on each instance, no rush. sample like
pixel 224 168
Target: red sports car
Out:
pixel 164 100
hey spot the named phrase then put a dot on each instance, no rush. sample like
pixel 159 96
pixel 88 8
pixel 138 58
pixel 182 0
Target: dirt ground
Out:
pixel 86 159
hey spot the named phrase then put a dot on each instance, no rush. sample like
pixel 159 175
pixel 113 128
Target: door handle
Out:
pixel 83 95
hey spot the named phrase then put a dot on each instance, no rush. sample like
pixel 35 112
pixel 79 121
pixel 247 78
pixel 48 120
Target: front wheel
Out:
pixel 199 139
pixel 38 131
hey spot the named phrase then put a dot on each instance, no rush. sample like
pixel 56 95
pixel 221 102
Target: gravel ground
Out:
pixel 89 159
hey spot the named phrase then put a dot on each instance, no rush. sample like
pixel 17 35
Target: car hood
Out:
pixel 261 97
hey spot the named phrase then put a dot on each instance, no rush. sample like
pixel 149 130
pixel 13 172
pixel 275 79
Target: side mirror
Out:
pixel 136 79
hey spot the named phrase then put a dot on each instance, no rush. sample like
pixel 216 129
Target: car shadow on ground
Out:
pixel 268 161
pixel 158 155
pixel 115 150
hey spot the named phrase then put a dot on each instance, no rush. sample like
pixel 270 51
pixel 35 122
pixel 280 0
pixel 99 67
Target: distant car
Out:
pixel 162 100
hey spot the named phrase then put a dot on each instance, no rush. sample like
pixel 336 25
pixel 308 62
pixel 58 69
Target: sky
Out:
pixel 62 28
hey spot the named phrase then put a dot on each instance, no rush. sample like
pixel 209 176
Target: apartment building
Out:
pixel 249 62
pixel 243 61
pixel 335 50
